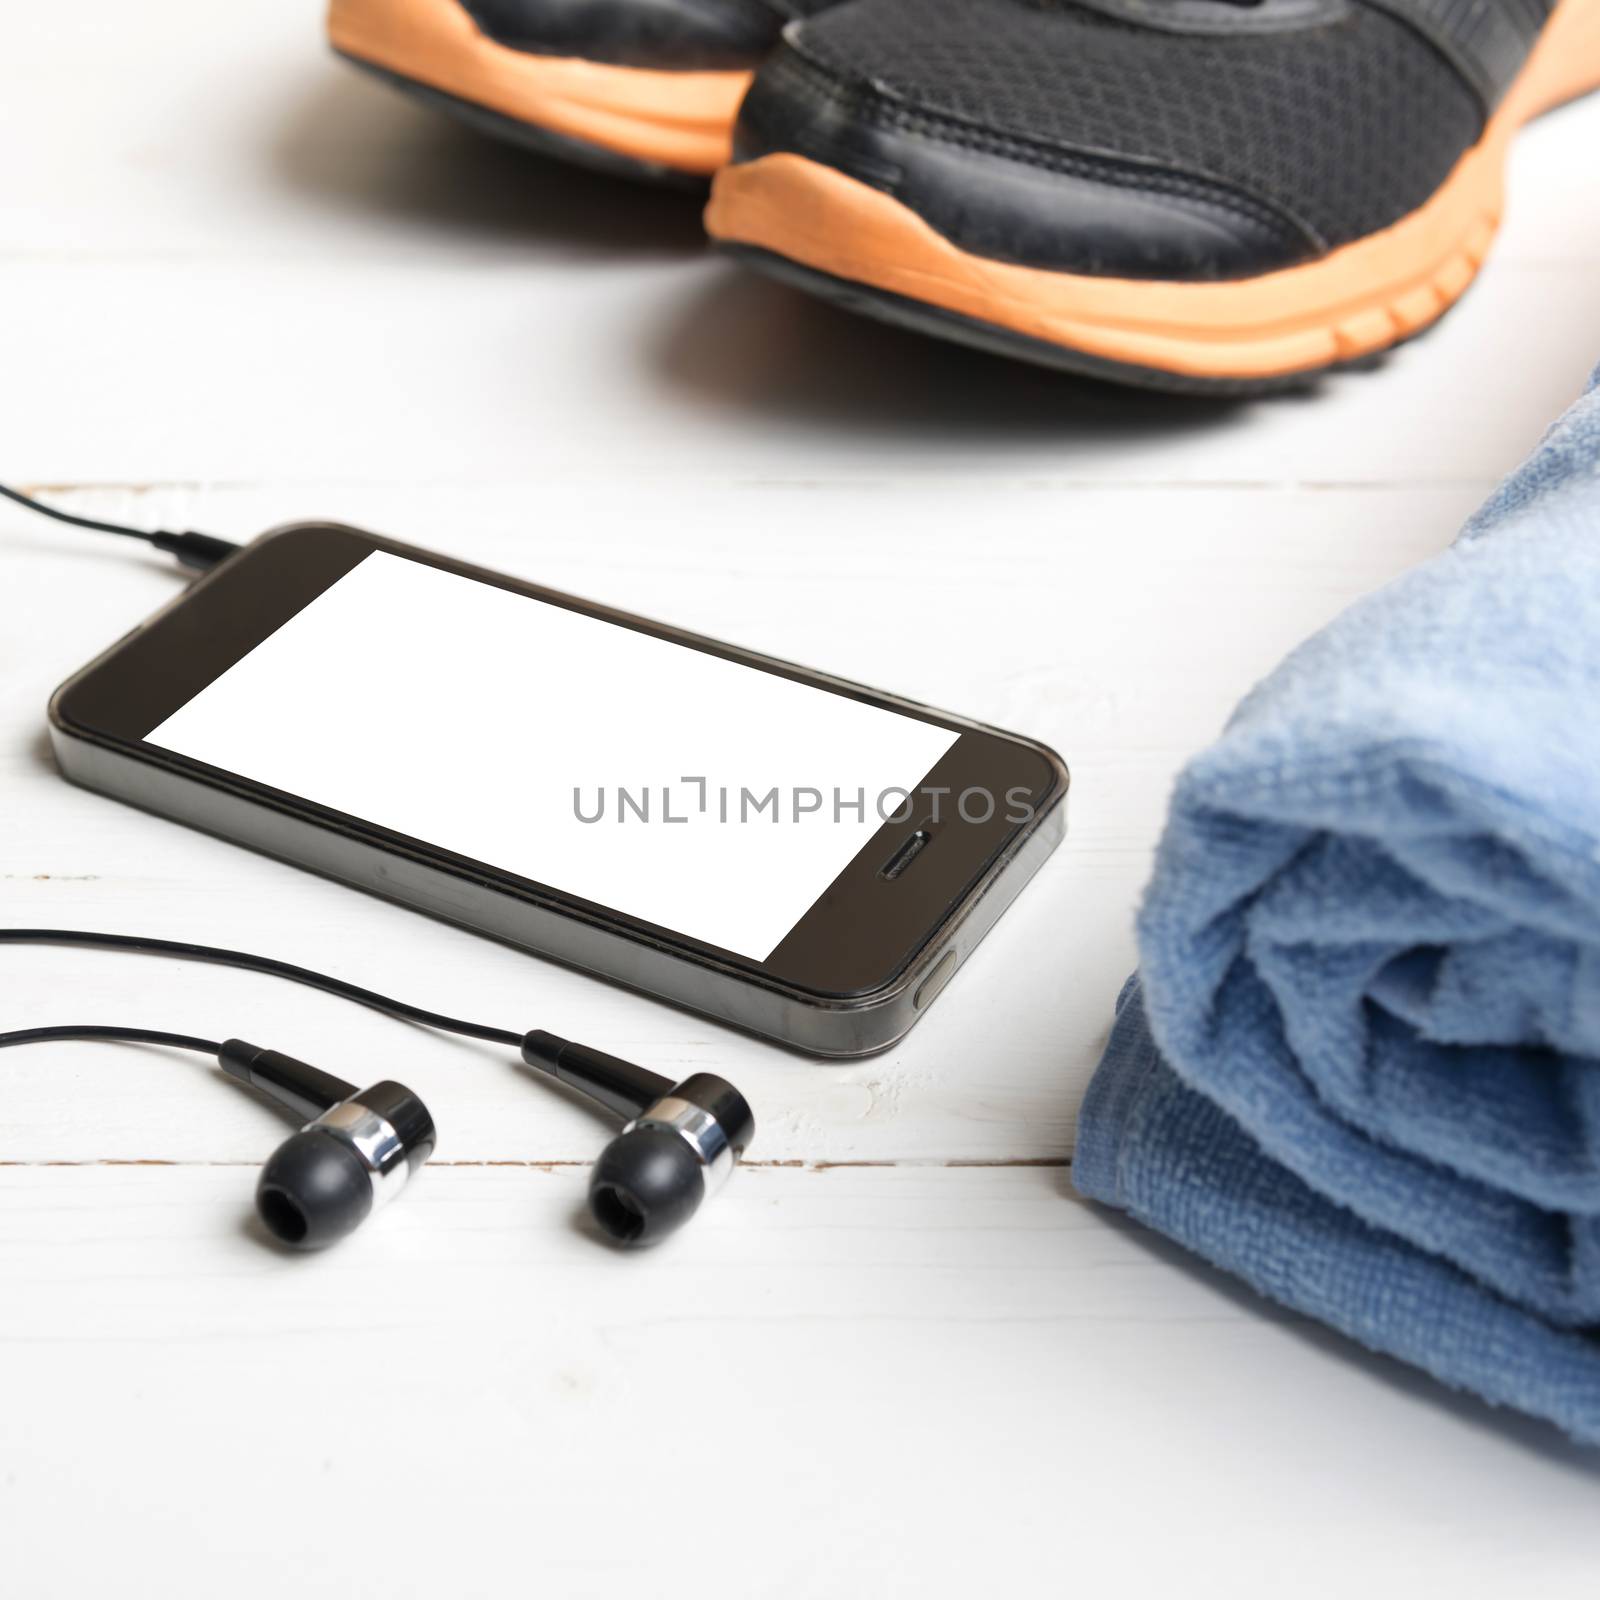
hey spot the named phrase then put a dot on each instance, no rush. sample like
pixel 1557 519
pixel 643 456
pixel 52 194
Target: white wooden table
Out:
pixel 239 285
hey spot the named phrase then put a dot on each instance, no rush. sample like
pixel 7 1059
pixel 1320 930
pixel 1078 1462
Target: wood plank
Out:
pixel 841 1383
pixel 454 372
pixel 263 288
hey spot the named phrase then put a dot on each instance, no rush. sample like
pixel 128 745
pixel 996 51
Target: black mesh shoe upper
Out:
pixel 1145 138
pixel 669 35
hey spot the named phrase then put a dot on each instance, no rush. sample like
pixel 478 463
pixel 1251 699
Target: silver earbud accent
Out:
pixel 705 1135
pixel 375 1141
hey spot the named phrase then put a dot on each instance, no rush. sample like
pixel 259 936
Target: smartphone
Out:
pixel 795 855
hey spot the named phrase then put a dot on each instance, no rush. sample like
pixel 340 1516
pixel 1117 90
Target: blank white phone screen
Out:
pixel 531 738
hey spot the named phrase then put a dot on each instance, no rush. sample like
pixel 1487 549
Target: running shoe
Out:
pixel 1201 195
pixel 643 88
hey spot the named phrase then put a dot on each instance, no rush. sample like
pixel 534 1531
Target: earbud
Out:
pixel 676 1153
pixel 680 1145
pixel 680 1141
pixel 354 1155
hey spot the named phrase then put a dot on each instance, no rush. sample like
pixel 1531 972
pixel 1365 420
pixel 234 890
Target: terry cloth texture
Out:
pixel 1361 1064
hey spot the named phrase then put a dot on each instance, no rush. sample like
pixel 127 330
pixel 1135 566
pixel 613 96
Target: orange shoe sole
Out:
pixel 853 243
pixel 654 123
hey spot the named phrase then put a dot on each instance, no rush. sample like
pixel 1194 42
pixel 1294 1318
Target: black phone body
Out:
pixel 323 663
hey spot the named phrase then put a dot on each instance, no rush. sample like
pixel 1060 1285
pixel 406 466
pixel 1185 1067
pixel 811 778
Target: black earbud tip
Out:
pixel 313 1191
pixel 646 1184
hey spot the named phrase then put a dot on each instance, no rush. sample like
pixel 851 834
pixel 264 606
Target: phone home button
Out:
pixel 935 981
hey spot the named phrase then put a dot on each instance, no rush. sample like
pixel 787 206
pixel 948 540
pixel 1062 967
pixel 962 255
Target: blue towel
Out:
pixel 1361 1065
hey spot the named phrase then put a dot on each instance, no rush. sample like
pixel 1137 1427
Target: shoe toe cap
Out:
pixel 1016 200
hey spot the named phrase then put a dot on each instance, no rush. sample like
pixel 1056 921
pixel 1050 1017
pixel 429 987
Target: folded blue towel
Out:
pixel 1362 1066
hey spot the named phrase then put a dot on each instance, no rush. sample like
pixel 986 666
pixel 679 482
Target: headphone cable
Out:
pixel 265 965
pixel 174 1041
pixel 622 1087
pixel 197 551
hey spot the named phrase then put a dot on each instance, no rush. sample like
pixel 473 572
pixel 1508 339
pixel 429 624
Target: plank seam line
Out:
pixel 518 1163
